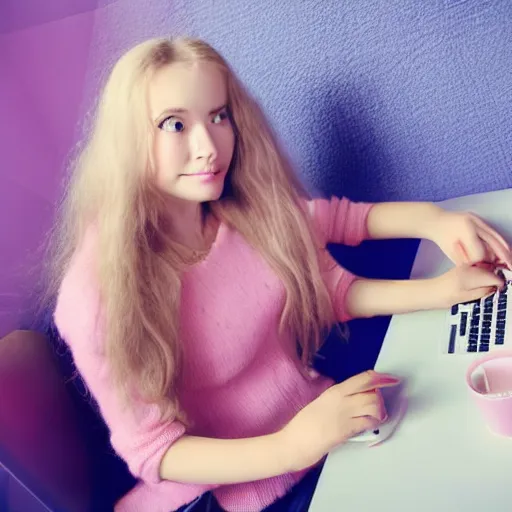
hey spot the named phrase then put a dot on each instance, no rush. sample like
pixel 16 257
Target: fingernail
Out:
pixel 389 380
pixel 390 376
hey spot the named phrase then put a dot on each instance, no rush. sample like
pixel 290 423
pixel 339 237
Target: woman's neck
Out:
pixel 191 226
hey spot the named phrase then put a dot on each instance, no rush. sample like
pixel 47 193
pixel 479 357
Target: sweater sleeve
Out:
pixel 340 221
pixel 137 432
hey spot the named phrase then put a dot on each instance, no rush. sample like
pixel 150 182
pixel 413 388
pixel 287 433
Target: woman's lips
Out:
pixel 204 176
pixel 202 173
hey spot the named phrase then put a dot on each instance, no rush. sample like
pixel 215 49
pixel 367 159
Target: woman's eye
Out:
pixel 218 118
pixel 171 124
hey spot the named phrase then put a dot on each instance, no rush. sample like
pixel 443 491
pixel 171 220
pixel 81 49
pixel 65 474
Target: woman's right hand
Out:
pixel 340 412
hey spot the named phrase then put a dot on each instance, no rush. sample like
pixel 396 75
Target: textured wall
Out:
pixel 376 99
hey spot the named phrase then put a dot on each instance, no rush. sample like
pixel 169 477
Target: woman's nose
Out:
pixel 203 145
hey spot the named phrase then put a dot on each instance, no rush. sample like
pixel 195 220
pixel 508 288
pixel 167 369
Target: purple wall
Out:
pixel 41 90
pixel 378 100
pixel 21 14
pixel 394 99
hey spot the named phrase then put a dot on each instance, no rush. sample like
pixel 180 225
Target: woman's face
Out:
pixel 194 138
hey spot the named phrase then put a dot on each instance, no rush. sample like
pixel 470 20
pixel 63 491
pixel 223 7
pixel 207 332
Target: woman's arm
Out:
pixel 343 221
pixel 401 219
pixel 225 461
pixel 462 236
pixel 372 297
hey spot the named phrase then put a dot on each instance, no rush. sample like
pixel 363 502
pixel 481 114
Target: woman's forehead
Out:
pixel 196 88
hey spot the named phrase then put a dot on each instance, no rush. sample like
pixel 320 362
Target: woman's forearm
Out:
pixel 401 220
pixel 204 460
pixel 372 297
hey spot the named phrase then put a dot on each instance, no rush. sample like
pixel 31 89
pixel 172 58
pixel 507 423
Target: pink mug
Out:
pixel 490 383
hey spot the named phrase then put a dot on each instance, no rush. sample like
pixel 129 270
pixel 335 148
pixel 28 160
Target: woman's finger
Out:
pixel 500 251
pixel 473 247
pixel 478 293
pixel 483 225
pixel 366 381
pixel 461 256
pixel 479 277
pixel 496 241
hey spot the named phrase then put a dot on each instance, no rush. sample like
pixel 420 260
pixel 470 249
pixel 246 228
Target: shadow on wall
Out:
pixel 350 148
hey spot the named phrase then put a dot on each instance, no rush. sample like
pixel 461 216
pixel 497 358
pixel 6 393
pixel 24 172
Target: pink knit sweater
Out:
pixel 238 380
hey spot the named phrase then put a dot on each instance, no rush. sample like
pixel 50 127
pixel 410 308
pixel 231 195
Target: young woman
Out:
pixel 190 264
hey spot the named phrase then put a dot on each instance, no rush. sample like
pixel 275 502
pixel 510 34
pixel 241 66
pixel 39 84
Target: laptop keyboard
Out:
pixel 481 325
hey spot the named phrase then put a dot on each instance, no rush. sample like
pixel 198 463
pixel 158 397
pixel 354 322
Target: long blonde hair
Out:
pixel 138 264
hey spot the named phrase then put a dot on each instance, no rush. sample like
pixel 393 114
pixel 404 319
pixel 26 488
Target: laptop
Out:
pixel 481 325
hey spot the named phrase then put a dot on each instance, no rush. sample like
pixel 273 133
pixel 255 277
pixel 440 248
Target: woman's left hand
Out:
pixel 466 239
pixel 464 283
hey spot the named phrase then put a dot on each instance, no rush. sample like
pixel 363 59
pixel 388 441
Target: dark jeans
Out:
pixel 297 499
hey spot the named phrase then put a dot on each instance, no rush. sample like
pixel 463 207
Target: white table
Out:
pixel 442 458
